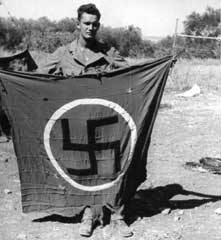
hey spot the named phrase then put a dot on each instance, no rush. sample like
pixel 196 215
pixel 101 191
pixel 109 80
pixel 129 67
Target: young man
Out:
pixel 87 55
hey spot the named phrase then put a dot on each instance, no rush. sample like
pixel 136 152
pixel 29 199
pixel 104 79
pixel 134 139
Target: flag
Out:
pixel 83 141
pixel 22 61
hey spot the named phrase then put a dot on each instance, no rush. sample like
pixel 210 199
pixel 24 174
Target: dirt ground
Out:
pixel 186 129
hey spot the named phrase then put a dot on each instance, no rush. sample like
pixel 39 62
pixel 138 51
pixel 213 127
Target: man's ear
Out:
pixel 78 24
pixel 98 26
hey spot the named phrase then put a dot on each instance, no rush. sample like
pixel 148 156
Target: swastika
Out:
pixel 82 102
pixel 92 145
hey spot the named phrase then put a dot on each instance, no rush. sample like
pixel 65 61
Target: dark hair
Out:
pixel 90 9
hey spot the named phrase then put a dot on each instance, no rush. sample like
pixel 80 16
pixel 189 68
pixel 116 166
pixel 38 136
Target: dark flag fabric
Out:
pixel 83 141
pixel 22 61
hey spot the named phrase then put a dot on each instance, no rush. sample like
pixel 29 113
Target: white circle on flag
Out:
pixel 88 101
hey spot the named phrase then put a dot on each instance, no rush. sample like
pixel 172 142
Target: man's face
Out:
pixel 89 25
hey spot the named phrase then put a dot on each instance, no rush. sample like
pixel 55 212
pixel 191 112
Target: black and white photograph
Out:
pixel 110 120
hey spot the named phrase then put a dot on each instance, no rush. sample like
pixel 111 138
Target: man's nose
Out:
pixel 90 26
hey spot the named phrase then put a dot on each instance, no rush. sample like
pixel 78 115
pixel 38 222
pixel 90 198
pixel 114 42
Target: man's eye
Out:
pixel 93 24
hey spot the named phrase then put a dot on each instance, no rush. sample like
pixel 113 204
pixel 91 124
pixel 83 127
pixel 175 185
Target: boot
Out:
pixel 86 223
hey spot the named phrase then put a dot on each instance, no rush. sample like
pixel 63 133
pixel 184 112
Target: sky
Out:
pixel 153 17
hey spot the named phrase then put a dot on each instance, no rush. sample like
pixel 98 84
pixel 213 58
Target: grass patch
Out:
pixel 204 72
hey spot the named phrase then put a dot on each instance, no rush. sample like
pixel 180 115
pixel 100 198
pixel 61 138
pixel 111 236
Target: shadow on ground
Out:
pixel 149 202
pixel 58 218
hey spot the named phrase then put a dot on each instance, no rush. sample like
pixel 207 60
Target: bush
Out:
pixel 46 35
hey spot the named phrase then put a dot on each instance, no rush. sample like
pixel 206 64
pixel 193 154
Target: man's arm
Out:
pixel 117 61
pixel 51 65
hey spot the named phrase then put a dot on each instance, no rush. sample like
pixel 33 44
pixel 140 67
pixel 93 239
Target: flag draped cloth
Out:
pixel 82 141
pixel 22 61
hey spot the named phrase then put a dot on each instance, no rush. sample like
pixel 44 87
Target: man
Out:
pixel 87 55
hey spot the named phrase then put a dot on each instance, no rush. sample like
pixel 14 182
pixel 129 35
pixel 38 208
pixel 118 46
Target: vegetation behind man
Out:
pixel 46 36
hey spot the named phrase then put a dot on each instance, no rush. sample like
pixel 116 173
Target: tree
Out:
pixel 66 25
pixel 205 24
pixel 127 40
pixel 11 33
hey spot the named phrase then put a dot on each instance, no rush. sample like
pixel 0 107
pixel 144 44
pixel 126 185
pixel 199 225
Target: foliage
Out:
pixel 46 35
pixel 128 41
pixel 11 34
pixel 205 24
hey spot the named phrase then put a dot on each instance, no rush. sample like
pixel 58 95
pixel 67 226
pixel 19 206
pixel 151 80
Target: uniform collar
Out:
pixel 74 49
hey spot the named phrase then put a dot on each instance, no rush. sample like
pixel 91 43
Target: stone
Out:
pixel 181 212
pixel 166 211
pixel 7 191
pixel 218 211
pixel 176 218
pixel 21 236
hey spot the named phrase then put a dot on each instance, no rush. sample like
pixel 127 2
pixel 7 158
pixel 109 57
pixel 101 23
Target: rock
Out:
pixel 177 218
pixel 22 236
pixel 7 191
pixel 181 212
pixel 218 211
pixel 129 90
pixel 194 91
pixel 166 211
pixel 166 105
pixel 208 204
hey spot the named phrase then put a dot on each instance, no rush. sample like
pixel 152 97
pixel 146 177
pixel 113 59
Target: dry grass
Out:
pixel 205 73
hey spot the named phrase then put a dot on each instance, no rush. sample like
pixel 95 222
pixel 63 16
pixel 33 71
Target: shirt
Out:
pixel 72 59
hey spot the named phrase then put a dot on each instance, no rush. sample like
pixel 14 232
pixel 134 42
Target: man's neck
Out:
pixel 84 43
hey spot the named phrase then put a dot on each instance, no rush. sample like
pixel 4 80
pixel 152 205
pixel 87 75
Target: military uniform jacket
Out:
pixel 72 59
